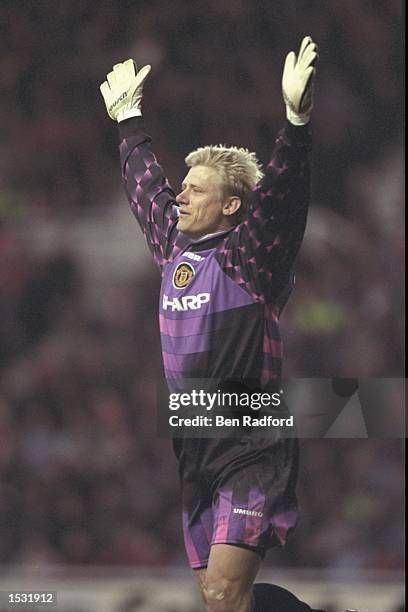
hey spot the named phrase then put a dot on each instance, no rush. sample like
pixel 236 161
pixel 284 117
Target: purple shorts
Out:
pixel 239 492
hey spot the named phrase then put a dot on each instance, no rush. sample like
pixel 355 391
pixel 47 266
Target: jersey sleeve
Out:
pixel 261 251
pixel 151 198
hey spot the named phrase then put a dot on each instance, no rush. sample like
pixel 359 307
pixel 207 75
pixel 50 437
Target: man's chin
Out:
pixel 183 226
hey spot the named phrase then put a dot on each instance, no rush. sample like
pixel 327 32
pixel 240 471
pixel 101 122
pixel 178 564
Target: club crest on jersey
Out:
pixel 183 275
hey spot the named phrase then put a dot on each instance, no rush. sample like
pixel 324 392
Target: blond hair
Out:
pixel 238 168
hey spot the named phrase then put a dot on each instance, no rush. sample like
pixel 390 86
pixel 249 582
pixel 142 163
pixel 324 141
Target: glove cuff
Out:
pixel 296 119
pixel 127 113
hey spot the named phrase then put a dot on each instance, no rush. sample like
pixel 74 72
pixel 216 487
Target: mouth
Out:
pixel 183 213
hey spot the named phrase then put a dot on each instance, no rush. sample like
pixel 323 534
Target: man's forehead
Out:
pixel 200 174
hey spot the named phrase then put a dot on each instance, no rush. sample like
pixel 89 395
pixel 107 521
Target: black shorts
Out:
pixel 237 491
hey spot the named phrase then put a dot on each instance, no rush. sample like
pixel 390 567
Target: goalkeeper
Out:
pixel 225 246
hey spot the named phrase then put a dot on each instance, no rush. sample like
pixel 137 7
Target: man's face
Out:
pixel 202 206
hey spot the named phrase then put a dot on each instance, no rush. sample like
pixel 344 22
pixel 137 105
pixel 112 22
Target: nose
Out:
pixel 181 198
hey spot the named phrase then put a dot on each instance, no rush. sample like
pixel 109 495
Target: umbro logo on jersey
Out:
pixel 183 275
pixel 247 512
pixel 193 256
pixel 187 302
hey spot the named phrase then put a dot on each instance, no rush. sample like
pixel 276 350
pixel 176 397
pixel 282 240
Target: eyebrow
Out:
pixel 184 185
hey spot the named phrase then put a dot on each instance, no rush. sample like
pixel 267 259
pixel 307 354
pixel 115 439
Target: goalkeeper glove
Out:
pixel 297 82
pixel 123 90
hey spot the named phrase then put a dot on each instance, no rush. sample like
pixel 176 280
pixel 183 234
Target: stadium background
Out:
pixel 85 483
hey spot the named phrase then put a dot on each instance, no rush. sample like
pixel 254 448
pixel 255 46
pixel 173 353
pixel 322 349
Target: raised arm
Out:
pixel 150 195
pixel 277 219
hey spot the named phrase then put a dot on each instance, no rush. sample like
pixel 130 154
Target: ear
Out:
pixel 231 205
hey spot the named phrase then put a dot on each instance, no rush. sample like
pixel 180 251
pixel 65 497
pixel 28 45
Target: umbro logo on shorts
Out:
pixel 247 512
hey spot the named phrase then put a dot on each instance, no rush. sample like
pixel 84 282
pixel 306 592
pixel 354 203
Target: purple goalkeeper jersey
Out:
pixel 221 296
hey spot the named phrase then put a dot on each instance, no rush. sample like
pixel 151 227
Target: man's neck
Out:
pixel 212 234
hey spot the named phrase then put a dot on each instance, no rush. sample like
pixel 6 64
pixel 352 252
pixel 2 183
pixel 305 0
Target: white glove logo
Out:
pixel 112 106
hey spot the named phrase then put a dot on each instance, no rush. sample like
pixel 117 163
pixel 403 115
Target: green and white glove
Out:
pixel 123 90
pixel 298 81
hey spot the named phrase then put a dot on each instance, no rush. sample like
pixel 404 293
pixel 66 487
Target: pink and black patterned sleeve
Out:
pixel 261 251
pixel 150 195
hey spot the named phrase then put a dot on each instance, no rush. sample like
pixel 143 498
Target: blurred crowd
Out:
pixel 83 476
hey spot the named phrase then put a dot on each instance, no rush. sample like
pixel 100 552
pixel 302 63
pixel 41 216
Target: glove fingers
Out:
pixel 310 48
pixel 305 42
pixel 142 75
pixel 308 59
pixel 129 69
pixel 309 75
pixel 124 72
pixel 105 90
pixel 289 62
pixel 306 101
pixel 111 78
